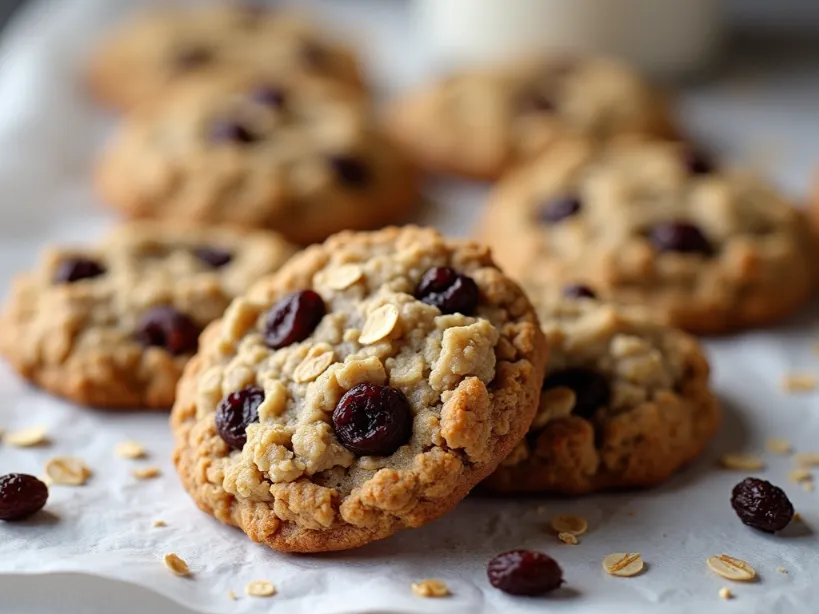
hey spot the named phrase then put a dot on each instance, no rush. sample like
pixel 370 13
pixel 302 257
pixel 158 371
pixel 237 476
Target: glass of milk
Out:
pixel 665 38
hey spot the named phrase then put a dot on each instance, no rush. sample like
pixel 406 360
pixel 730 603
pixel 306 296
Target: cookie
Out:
pixel 162 48
pixel 654 223
pixel 625 403
pixel 113 325
pixel 481 123
pixel 301 157
pixel 363 389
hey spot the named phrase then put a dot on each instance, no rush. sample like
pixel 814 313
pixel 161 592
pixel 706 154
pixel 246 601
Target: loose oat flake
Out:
pixel 260 588
pixel 743 462
pixel 731 568
pixel 430 588
pixel 568 538
pixel 799 382
pixel 129 449
pixel 159 523
pixel 623 564
pixel 145 473
pixel 726 593
pixel 67 470
pixel 800 475
pixel 807 459
pixel 27 438
pixel 781 570
pixel 176 564
pixel 569 523
pixel 379 324
pixel 778 445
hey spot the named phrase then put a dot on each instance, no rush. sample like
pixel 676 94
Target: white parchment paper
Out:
pixel 49 133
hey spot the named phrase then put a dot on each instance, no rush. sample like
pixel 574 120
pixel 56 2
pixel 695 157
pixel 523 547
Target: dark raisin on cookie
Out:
pixel 191 57
pixel 559 209
pixel 697 162
pixel 578 291
pixel 448 290
pixel 314 55
pixel 293 319
pixel 761 505
pixel 350 171
pixel 373 420
pixel 231 131
pixel 75 269
pixel 21 495
pixel 235 412
pixel 524 572
pixel 269 96
pixel 168 328
pixel 214 257
pixel 680 237
pixel 591 389
pixel 534 101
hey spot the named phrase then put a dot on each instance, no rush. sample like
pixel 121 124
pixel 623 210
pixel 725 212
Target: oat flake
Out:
pixel 800 475
pixel 145 473
pixel 129 449
pixel 623 564
pixel 430 588
pixel 313 365
pixel 778 445
pixel 799 382
pixel 27 438
pixel 379 324
pixel 731 568
pixel 807 459
pixel 743 462
pixel 568 538
pixel 781 570
pixel 67 470
pixel 176 564
pixel 159 523
pixel 344 276
pixel 569 523
pixel 260 588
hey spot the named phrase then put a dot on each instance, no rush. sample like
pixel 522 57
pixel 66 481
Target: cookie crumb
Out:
pixel 807 486
pixel 430 588
pixel 800 475
pixel 67 471
pixel 743 462
pixel 176 564
pixel 260 588
pixel 145 473
pixel 232 595
pixel 623 564
pixel 569 523
pixel 799 382
pixel 778 445
pixel 726 593
pixel 807 459
pixel 129 449
pixel 782 570
pixel 568 538
pixel 731 568
pixel 380 323
pixel 159 523
pixel 27 438
pixel 797 517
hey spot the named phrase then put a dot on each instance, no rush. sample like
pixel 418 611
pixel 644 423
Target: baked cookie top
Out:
pixel 299 156
pixel 113 325
pixel 625 402
pixel 365 388
pixel 656 224
pixel 138 61
pixel 481 123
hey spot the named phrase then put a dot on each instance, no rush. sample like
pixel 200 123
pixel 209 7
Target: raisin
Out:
pixel 373 420
pixel 350 171
pixel 761 505
pixel 170 329
pixel 524 572
pixel 21 495
pixel 293 319
pixel 213 256
pixel 558 209
pixel 698 163
pixel 269 96
pixel 190 58
pixel 591 389
pixel 448 290
pixel 577 291
pixel 230 131
pixel 235 412
pixel 75 269
pixel 680 237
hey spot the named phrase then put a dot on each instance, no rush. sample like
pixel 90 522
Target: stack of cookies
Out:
pixel 329 396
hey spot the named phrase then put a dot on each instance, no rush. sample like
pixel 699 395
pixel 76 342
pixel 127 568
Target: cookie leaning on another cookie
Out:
pixel 302 157
pixel 140 60
pixel 482 123
pixel 113 325
pixel 363 389
pixel 626 402
pixel 654 223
